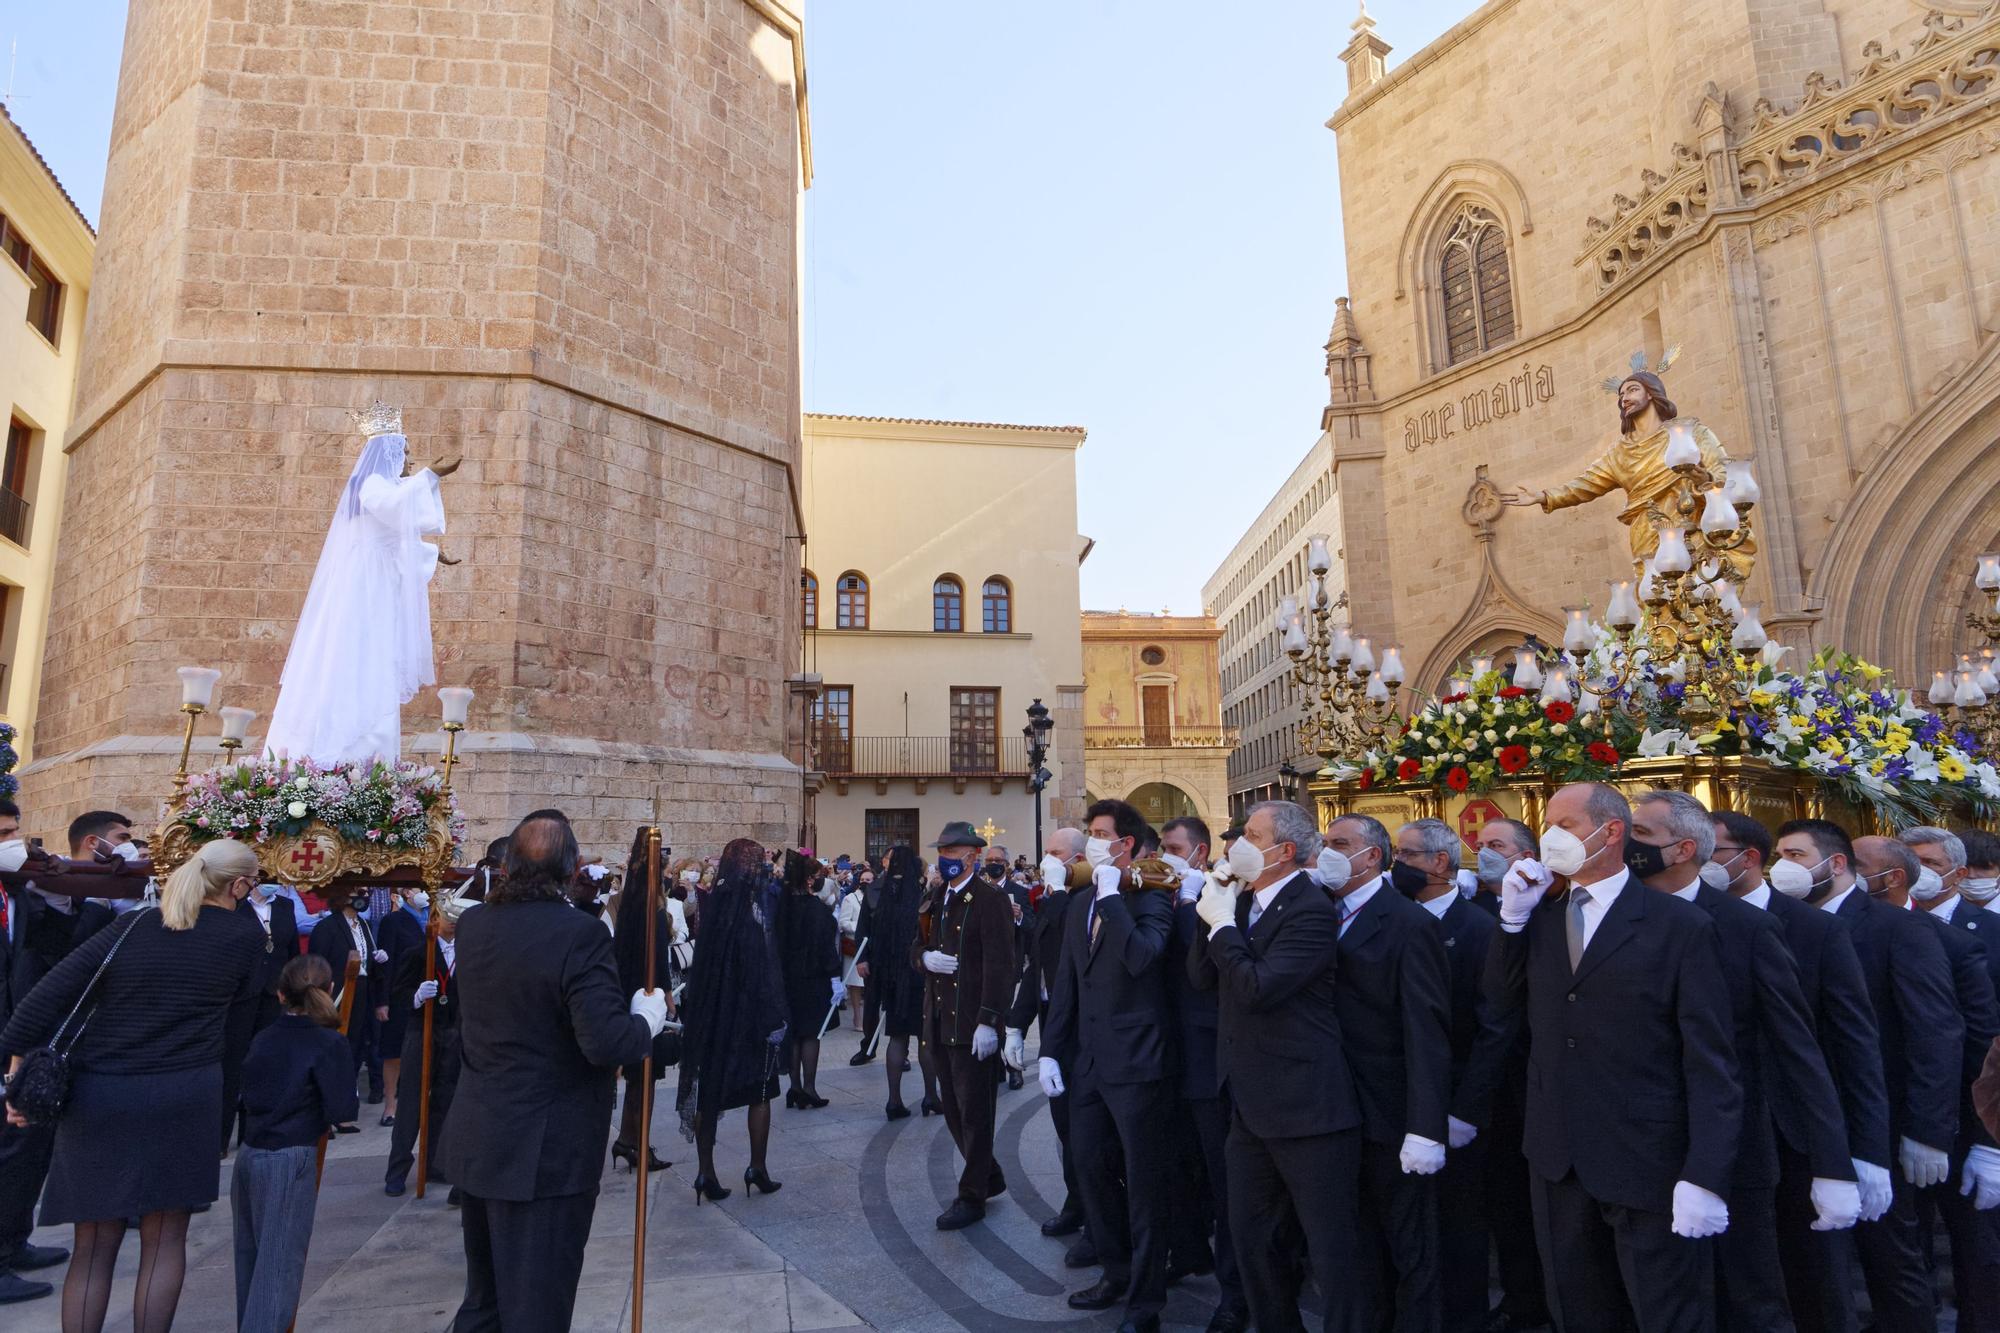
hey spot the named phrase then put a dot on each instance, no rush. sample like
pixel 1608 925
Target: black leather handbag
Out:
pixel 39 1089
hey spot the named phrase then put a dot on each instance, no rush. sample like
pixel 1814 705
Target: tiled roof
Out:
pixel 53 178
pixel 933 421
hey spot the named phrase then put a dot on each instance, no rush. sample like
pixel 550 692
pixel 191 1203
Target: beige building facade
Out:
pixel 1152 708
pixel 1790 200
pixel 566 244
pixel 45 261
pixel 940 599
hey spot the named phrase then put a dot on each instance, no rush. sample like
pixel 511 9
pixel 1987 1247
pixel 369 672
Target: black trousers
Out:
pixel 1749 1276
pixel 969 1088
pixel 1315 1180
pixel 1818 1265
pixel 522 1262
pixel 1128 1125
pixel 24 1165
pixel 1200 1194
pixel 1510 1217
pixel 364 1032
pixel 1975 1248
pixel 1462 1236
pixel 1059 1116
pixel 1892 1259
pixel 1611 1269
pixel 1399 1224
pixel 409 1092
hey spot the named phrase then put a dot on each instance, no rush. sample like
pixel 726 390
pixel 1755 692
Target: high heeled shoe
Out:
pixel 707 1187
pixel 792 1099
pixel 930 1106
pixel 629 1154
pixel 897 1111
pixel 812 1101
pixel 758 1178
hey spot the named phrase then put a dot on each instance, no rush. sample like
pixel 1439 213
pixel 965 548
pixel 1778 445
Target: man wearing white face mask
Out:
pixel 1981 885
pixel 1916 1011
pixel 1634 1109
pixel 1048 910
pixel 1969 1198
pixel 1787 1091
pixel 1818 1266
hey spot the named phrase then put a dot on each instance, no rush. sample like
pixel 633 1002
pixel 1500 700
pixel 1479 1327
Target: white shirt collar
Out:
pixel 1439 905
pixel 1605 891
pixel 1834 900
pixel 449 948
pixel 1358 899
pixel 1760 896
pixel 1262 897
pixel 1687 895
pixel 1944 910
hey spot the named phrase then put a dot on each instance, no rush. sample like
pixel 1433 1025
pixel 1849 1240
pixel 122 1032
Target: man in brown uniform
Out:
pixel 966 949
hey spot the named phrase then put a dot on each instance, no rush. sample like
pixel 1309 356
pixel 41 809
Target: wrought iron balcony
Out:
pixel 961 756
pixel 1156 738
pixel 13 517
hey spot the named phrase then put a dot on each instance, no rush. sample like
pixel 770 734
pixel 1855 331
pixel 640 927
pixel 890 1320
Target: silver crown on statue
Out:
pixel 378 419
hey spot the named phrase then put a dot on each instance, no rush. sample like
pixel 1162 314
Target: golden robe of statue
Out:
pixel 1637 466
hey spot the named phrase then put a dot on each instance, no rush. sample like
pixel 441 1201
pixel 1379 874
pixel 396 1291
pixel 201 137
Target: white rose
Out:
pixel 297 809
pixel 1559 729
pixel 1492 736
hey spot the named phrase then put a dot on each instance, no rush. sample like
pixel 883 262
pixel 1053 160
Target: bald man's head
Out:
pixel 1066 843
pixel 542 858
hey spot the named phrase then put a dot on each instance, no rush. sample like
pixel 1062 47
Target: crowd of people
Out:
pixel 1659 1068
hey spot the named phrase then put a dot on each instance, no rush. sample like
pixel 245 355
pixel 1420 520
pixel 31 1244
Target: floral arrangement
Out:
pixel 9 784
pixel 259 799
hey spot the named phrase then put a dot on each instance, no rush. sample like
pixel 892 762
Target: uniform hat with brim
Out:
pixel 959 833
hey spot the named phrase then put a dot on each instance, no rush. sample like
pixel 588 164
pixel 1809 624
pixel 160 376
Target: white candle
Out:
pixel 1364 655
pixel 1988 577
pixel 1672 557
pixel 1968 694
pixel 1288 611
pixel 1481 666
pixel 456 702
pixel 1578 637
pixel 1556 688
pixel 1623 612
pixel 198 685
pixel 1987 680
pixel 1527 673
pixel 236 723
pixel 1392 665
pixel 1717 514
pixel 1748 636
pixel 1940 688
pixel 1730 601
pixel 1586 703
pixel 1295 640
pixel 1317 558
pixel 1682 451
pixel 1377 688
pixel 1740 483
pixel 1341 649
pixel 1458 686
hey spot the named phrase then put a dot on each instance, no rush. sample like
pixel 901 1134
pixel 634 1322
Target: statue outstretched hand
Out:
pixel 1522 497
pixel 444 467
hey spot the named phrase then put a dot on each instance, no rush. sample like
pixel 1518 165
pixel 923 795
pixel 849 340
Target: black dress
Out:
pixel 139 1135
pixel 733 1005
pixel 889 924
pixel 809 960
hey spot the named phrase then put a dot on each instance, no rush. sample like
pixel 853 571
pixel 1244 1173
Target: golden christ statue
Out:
pixel 1636 464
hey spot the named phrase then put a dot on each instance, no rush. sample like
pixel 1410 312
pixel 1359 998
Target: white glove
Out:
pixel 1107 878
pixel 1923 1165
pixel 1838 1203
pixel 1050 1074
pixel 1877 1192
pixel 839 991
pixel 381 955
pixel 1421 1156
pixel 1460 1133
pixel 1697 1212
pixel 425 994
pixel 985 1041
pixel 1525 883
pixel 651 1006
pixel 1981 1177
pixel 1015 1053
pixel 1190 887
pixel 1217 905
pixel 944 964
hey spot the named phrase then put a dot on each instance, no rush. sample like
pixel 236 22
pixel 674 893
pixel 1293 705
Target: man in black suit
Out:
pixel 1818 1266
pixel 342 932
pixel 1393 990
pixel 545 1024
pixel 1110 1006
pixel 1201 1130
pixel 1269 948
pixel 1971 1190
pixel 410 992
pixel 1483 1043
pixel 24 1152
pixel 1634 1108
pixel 1921 1031
pixel 280 928
pixel 1031 1004
pixel 1786 1087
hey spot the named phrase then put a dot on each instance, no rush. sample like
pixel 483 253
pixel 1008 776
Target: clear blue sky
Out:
pixel 1117 214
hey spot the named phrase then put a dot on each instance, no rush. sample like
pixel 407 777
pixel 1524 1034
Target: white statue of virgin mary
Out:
pixel 363 645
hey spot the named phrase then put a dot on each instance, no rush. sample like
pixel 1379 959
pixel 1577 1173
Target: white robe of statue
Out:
pixel 363 644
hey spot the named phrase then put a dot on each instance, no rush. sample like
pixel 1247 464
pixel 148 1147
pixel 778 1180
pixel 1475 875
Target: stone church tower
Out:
pixel 562 235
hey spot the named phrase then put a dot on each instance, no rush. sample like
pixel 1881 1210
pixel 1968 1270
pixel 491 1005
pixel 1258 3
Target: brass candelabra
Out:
pixel 1348 700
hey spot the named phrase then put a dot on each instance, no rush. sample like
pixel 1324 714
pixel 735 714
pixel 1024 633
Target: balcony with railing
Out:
pixel 1160 738
pixel 958 758
pixel 13 517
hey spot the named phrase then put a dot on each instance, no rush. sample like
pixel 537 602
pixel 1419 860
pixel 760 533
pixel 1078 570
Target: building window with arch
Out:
pixel 996 607
pixel 809 598
pixel 850 601
pixel 947 605
pixel 1476 285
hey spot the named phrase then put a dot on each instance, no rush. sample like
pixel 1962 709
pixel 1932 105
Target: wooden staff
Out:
pixel 424 1077
pixel 646 1079
pixel 348 979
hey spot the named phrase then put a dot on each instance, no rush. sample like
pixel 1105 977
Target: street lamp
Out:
pixel 1040 724
pixel 1288 780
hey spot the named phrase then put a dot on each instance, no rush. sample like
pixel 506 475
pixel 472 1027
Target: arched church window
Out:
pixel 1477 285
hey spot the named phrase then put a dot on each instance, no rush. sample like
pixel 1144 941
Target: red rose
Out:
pixel 1513 758
pixel 1512 692
pixel 1367 779
pixel 1603 752
pixel 1458 779
pixel 1562 710
pixel 1458 698
pixel 1407 770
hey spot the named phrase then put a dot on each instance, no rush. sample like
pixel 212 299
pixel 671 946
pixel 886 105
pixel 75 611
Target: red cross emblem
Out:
pixel 1475 817
pixel 308 857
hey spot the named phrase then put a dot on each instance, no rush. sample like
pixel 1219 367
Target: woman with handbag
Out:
pixel 134 1019
pixel 628 946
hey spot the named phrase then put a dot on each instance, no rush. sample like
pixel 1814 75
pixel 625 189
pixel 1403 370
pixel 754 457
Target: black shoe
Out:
pixel 375 1097
pixel 1199 1266
pixel 628 1154
pixel 930 1106
pixel 962 1213
pixel 792 1099
pixel 896 1111
pixel 1503 1320
pixel 812 1101
pixel 861 1057
pixel 455 1199
pixel 14 1289
pixel 393 1188
pixel 1081 1255
pixel 1229 1321
pixel 996 1187
pixel 1013 1080
pixel 29 1257
pixel 1099 1295
pixel 1065 1223
pixel 1150 1324
pixel 707 1187
pixel 388 1120
pixel 760 1179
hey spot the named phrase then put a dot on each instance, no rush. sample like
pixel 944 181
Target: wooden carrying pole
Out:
pixel 424 1078
pixel 645 1089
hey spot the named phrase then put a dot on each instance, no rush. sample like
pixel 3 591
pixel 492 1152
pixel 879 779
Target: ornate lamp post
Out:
pixel 1040 724
pixel 1348 700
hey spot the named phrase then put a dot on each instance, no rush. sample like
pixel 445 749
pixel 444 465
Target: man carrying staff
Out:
pixel 411 992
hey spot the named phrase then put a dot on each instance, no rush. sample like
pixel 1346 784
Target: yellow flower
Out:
pixel 1830 745
pixel 1951 768
pixel 1761 698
